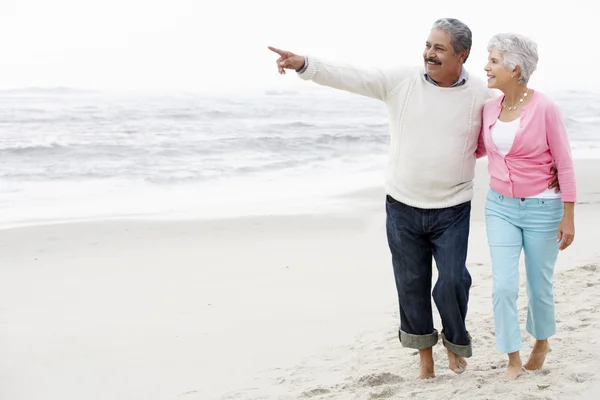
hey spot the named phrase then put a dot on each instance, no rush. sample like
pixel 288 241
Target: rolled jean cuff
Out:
pixel 418 342
pixel 463 351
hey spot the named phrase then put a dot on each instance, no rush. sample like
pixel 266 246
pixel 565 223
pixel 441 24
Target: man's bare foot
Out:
pixel 538 355
pixel 426 364
pixel 456 363
pixel 515 367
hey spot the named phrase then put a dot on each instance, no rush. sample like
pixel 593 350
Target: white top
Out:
pixel 503 136
pixel 434 130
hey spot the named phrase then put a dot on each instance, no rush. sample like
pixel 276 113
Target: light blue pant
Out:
pixel 514 225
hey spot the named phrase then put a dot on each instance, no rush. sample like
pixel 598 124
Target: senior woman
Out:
pixel 524 135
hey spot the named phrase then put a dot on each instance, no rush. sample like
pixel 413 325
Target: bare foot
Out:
pixel 426 371
pixel 538 355
pixel 513 372
pixel 515 367
pixel 456 363
pixel 426 364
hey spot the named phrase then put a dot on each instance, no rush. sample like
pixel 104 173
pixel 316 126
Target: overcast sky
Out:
pixel 220 45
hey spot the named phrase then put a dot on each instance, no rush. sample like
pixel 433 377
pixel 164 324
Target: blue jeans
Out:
pixel 529 225
pixel 415 237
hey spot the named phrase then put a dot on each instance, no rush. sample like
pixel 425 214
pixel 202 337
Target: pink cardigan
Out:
pixel 540 141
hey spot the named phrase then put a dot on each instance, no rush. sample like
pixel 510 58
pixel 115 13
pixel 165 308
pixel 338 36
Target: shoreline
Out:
pixel 368 197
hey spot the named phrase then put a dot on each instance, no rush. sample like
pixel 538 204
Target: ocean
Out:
pixel 70 155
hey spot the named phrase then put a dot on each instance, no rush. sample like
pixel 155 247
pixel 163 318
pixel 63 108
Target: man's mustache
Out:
pixel 433 60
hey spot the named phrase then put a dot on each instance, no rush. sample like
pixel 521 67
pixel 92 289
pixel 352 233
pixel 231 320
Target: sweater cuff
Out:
pixel 301 70
pixel 309 72
pixel 569 197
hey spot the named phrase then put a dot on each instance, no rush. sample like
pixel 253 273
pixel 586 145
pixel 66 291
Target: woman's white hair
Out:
pixel 516 50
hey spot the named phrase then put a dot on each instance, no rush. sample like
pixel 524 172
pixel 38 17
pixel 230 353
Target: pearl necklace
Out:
pixel 514 106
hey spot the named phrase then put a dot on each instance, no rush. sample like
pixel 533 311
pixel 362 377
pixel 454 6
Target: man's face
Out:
pixel 441 62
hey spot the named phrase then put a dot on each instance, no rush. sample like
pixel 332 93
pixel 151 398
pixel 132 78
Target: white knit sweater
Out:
pixel 434 130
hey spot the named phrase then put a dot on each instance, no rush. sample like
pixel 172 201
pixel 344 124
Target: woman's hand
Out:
pixel 566 229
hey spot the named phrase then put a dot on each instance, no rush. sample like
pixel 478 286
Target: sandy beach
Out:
pixel 273 307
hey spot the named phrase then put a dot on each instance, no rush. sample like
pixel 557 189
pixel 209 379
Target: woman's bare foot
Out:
pixel 513 372
pixel 515 367
pixel 426 364
pixel 456 363
pixel 538 355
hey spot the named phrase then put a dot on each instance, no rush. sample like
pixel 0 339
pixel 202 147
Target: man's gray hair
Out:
pixel 516 50
pixel 460 34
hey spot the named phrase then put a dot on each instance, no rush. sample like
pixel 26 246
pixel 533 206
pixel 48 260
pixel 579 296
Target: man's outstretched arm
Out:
pixel 373 82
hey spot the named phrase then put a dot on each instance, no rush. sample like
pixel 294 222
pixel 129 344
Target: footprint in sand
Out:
pixel 385 378
pixel 543 372
pixel 586 316
pixel 191 392
pixel 591 267
pixel 581 377
pixel 315 392
pixel 481 383
pixel 366 381
pixel 386 393
pixel 582 310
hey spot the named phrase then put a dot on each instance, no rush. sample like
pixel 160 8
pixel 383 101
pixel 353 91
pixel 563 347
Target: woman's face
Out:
pixel 498 75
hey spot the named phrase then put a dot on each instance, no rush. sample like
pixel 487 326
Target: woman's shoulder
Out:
pixel 542 102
